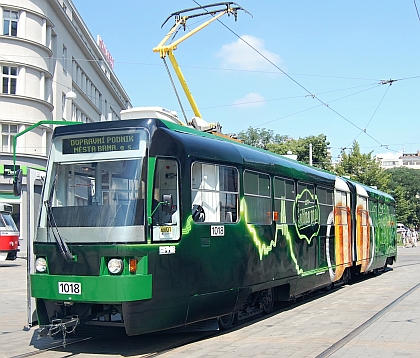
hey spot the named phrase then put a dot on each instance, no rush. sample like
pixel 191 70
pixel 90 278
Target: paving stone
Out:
pixel 305 330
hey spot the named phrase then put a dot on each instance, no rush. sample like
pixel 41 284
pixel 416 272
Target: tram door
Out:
pixel 215 239
pixel 165 204
pixel 214 210
pixel 364 244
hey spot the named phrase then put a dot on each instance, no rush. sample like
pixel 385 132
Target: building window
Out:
pixel 9 79
pixel 64 58
pixel 7 133
pixel 114 115
pixel 10 22
pixel 79 116
pixel 63 105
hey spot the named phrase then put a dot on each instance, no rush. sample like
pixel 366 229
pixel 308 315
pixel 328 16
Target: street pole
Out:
pixel 310 154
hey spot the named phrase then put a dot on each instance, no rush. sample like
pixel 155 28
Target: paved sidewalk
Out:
pixel 312 327
pixel 15 336
pixel 309 329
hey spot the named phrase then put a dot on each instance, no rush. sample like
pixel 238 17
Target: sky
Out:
pixel 348 69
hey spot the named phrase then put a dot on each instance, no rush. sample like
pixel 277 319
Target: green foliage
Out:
pixel 282 144
pixel 320 155
pixel 362 168
pixel 405 187
pixel 260 138
pixel 404 209
pixel 402 183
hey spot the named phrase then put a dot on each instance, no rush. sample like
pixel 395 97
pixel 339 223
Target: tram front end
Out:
pixel 90 246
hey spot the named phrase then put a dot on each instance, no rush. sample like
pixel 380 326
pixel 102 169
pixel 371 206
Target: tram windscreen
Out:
pixel 7 223
pixel 97 201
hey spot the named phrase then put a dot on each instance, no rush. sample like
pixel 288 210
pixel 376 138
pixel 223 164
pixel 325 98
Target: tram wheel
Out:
pixel 329 287
pixel 346 276
pixel 267 298
pixel 225 322
pixel 11 256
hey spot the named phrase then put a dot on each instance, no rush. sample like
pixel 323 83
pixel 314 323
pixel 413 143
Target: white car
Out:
pixel 401 228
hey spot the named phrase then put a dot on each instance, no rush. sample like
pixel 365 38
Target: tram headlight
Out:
pixel 115 266
pixel 41 265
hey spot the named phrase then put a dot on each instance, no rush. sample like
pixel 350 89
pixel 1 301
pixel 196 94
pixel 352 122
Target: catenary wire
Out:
pixel 372 114
pixel 323 103
pixel 417 10
pixel 290 97
pixel 319 105
pixel 293 80
pixel 210 68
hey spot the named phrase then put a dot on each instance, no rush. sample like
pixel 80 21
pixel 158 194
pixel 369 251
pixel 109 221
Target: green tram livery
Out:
pixel 150 224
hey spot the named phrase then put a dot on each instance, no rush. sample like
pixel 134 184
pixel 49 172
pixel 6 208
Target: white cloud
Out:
pixel 239 55
pixel 250 100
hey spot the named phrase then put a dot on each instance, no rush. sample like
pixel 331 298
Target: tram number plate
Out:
pixel 70 288
pixel 166 250
pixel 217 230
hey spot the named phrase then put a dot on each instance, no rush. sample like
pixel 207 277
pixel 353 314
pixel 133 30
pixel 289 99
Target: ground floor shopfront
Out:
pixel 21 204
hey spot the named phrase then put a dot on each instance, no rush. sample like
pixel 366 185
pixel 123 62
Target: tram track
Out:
pixel 180 344
pixel 51 348
pixel 157 344
pixel 96 341
pixel 188 337
pixel 357 331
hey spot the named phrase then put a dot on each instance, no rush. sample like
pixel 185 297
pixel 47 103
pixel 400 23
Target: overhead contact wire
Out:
pixel 293 80
pixel 377 107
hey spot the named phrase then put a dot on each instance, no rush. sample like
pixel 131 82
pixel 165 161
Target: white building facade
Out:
pixel 406 160
pixel 51 69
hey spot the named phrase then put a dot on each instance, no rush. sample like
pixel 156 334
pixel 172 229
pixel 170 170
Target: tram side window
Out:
pixel 341 205
pixel 375 211
pixel 391 215
pixel 325 200
pixel 214 193
pixel 362 211
pixel 284 198
pixel 257 197
pixel 7 223
pixel 309 187
pixel 165 193
pixel 306 194
pixel 392 210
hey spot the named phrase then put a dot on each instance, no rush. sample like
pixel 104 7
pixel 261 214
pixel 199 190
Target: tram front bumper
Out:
pixel 91 289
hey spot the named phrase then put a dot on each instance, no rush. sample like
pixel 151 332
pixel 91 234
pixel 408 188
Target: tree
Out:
pixel 282 144
pixel 320 155
pixel 405 187
pixel 362 168
pixel 404 209
pixel 260 138
pixel 408 178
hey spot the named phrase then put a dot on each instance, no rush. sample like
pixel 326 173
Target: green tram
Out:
pixel 150 224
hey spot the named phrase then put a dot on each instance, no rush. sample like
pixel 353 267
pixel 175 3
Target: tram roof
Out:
pixel 216 148
pixel 208 146
pixel 372 192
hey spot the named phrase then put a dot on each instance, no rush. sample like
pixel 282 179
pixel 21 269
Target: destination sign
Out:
pixel 100 144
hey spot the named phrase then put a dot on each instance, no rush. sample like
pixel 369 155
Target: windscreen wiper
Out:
pixel 52 225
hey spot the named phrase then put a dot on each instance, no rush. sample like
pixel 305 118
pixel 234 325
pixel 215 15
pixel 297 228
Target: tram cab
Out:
pixel 9 234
